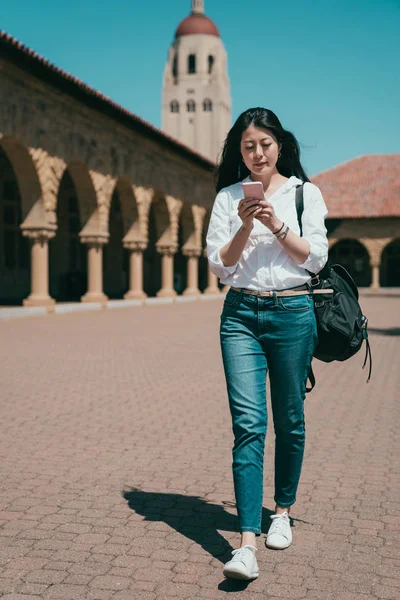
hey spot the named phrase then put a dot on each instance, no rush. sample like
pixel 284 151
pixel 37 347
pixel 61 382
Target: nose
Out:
pixel 258 150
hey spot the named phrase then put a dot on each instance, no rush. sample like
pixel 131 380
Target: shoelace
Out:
pixel 279 524
pixel 240 553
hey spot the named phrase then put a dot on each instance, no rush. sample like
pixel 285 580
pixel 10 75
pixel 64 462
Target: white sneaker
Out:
pixel 243 565
pixel 279 534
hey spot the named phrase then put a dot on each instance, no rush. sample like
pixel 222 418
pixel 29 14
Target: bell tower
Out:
pixel 196 99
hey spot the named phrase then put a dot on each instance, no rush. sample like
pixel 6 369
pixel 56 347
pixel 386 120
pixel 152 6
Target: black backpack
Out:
pixel 341 325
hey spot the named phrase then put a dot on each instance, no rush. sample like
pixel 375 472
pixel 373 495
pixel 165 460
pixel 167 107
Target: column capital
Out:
pixel 192 252
pixel 39 234
pixel 167 250
pixel 135 245
pixel 94 239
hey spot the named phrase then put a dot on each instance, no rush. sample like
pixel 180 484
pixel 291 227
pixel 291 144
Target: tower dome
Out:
pixel 196 24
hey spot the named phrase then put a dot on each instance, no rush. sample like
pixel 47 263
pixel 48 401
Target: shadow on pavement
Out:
pixel 197 519
pixel 389 331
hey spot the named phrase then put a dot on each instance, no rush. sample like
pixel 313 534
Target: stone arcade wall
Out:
pixel 45 132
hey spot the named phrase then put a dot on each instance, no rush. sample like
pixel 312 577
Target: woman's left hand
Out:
pixel 268 217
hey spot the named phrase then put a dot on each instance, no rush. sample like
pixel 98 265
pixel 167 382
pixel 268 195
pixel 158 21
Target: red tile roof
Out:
pixel 41 67
pixel 367 186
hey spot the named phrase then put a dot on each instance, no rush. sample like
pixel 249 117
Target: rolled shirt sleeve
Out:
pixel 314 230
pixel 218 235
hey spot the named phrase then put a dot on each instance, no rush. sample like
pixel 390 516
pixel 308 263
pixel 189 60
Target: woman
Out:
pixel 267 322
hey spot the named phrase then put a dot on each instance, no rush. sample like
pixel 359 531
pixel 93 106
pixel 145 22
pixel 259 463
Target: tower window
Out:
pixel 174 106
pixel 191 106
pixel 210 63
pixel 175 66
pixel 192 63
pixel 207 105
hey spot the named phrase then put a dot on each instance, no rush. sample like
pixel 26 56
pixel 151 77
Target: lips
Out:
pixel 260 164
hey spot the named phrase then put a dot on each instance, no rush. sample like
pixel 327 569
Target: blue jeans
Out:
pixel 261 334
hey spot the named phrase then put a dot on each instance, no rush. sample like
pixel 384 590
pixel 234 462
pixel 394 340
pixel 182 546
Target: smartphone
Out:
pixel 253 189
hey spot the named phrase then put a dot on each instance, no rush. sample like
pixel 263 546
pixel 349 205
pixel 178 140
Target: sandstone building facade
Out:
pixel 95 203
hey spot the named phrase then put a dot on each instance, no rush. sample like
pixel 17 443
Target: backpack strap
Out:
pixel 299 210
pixel 300 205
pixel 311 378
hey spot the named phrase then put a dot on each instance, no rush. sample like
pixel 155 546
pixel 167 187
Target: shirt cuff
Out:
pixel 218 267
pixel 315 261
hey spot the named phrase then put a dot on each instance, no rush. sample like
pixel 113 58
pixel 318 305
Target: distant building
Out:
pixel 96 203
pixel 363 199
pixel 196 98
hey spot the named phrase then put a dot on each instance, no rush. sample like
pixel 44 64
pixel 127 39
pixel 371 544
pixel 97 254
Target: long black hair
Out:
pixel 232 169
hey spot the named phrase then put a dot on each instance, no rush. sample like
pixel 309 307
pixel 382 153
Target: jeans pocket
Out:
pixel 295 303
pixel 230 298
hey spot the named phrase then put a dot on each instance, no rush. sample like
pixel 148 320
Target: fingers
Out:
pixel 251 210
pixel 246 205
pixel 248 202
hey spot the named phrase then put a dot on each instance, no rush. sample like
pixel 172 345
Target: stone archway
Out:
pixel 352 255
pixel 151 258
pixel 390 265
pixel 166 213
pixel 68 260
pixel 29 186
pixel 180 268
pixel 14 248
pixel 115 256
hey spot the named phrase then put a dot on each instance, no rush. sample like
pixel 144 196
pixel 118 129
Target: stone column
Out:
pixel 192 271
pixel 212 283
pixel 95 268
pixel 136 250
pixel 375 284
pixel 39 295
pixel 167 284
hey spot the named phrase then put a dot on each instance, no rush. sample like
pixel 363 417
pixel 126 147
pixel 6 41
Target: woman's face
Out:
pixel 260 149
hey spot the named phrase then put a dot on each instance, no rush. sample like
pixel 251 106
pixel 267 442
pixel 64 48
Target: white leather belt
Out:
pixel 271 293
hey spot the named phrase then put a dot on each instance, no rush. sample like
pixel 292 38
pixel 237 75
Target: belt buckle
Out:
pixel 316 279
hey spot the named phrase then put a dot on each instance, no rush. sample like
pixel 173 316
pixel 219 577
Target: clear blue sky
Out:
pixel 328 68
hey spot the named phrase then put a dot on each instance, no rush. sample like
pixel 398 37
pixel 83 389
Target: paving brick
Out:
pixel 386 592
pixel 35 589
pixel 20 597
pixel 107 582
pixel 280 590
pixel 100 595
pixel 62 591
pixel 45 576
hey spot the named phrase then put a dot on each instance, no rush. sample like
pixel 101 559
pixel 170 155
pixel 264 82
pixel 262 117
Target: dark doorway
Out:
pixel 68 256
pixel 14 248
pixel 354 257
pixel 180 263
pixel 390 265
pixel 152 259
pixel 115 256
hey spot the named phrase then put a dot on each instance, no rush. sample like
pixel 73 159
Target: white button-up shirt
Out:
pixel 264 263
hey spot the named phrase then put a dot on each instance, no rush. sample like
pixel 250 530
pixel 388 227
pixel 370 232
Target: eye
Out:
pixel 248 147
pixel 266 145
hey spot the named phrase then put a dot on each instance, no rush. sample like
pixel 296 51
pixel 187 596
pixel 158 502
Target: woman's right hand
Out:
pixel 248 208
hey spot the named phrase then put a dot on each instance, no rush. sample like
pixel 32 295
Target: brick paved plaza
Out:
pixel 116 474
